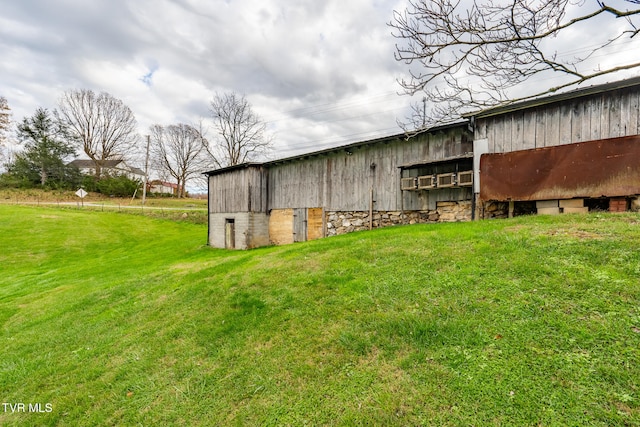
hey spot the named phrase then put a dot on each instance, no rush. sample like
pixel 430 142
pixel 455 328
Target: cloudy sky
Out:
pixel 320 73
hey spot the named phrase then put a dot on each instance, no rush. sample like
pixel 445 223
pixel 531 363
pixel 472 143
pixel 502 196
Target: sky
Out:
pixel 319 73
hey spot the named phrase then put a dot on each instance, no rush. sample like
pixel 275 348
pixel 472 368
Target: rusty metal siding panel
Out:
pixel 609 168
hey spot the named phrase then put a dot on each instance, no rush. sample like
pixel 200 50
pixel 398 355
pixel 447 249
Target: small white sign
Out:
pixel 81 193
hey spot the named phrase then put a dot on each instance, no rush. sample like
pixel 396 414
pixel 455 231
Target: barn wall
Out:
pixel 251 229
pixel 341 180
pixel 241 190
pixel 341 222
pixel 583 147
pixel 606 115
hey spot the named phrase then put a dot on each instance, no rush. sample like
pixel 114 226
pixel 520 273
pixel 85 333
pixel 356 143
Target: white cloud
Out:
pixel 319 72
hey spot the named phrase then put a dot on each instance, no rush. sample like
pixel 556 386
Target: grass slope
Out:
pixel 123 320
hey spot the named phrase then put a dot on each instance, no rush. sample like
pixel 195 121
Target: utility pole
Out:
pixel 424 111
pixel 146 172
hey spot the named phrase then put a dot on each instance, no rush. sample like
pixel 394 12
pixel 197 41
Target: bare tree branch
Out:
pixel 5 119
pixel 503 43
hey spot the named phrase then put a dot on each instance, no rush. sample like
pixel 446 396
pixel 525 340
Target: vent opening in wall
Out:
pixel 408 183
pixel 446 180
pixel 426 182
pixel 465 179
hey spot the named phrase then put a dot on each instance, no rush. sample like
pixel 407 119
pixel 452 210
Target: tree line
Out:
pixel 104 129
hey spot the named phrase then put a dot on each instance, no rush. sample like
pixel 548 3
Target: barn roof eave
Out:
pixel 232 168
pixel 559 97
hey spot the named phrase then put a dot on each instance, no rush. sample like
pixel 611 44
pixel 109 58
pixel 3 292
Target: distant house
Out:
pixel 162 187
pixel 109 167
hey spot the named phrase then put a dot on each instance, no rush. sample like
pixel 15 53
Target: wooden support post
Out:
pixel 511 208
pixel 370 208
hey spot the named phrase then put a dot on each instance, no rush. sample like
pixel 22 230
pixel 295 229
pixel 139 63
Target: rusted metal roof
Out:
pixel 604 168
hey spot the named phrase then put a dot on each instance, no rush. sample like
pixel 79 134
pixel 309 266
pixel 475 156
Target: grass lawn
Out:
pixel 112 319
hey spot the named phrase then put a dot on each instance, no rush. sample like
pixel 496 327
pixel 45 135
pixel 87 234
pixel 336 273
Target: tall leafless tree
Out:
pixel 5 114
pixel 178 150
pixel 104 126
pixel 470 54
pixel 242 136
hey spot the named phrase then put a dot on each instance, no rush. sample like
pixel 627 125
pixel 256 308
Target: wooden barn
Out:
pixel 569 152
pixel 358 186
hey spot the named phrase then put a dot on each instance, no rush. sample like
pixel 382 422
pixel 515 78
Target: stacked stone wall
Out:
pixel 496 210
pixel 341 222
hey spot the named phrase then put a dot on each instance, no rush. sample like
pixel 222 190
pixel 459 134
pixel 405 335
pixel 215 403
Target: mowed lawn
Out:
pixel 116 319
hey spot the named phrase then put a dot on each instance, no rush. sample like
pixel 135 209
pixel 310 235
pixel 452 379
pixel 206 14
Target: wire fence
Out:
pixel 188 212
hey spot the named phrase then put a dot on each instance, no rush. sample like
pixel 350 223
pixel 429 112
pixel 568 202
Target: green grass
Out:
pixel 127 320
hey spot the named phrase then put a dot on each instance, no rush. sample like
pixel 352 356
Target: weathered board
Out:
pixel 315 223
pixel 300 225
pixel 281 226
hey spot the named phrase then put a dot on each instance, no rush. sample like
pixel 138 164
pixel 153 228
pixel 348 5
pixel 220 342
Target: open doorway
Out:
pixel 230 233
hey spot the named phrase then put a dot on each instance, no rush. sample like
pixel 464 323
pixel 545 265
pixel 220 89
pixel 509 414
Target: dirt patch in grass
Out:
pixel 577 234
pixel 559 232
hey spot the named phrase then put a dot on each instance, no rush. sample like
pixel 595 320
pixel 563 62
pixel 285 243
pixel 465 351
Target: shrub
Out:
pixel 118 186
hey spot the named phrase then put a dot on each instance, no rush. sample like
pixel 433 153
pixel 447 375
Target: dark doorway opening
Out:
pixel 230 233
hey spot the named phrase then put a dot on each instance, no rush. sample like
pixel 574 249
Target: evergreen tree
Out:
pixel 45 150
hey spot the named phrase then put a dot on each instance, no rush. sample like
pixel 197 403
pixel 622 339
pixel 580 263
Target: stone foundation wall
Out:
pixel 495 210
pixel 341 222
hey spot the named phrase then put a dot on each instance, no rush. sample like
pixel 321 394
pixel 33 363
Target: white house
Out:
pixel 109 167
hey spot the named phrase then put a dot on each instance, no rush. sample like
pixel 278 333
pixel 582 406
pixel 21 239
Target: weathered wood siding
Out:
pixel 593 117
pixel 341 180
pixel 241 190
pixel 422 200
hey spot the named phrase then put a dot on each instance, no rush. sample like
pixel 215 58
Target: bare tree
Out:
pixel 242 135
pixel 4 119
pixel 178 151
pixel 104 126
pixel 501 43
